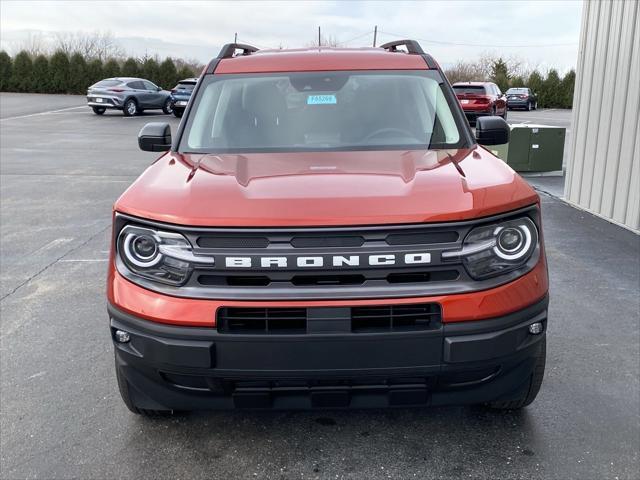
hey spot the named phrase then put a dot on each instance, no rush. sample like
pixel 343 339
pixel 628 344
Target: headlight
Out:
pixel 164 257
pixel 496 249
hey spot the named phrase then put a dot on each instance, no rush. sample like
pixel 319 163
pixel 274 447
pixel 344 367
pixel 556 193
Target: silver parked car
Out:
pixel 131 95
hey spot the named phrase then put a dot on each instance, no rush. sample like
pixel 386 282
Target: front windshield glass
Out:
pixel 320 111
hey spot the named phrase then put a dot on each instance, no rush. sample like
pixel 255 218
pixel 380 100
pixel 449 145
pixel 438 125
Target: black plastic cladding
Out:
pixel 285 282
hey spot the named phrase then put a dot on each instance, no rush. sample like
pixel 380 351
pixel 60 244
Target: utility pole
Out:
pixel 375 35
pixel 235 38
pixel 319 41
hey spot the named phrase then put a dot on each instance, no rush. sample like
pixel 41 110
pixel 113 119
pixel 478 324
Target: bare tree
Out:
pixel 96 45
pixel 34 45
pixel 329 41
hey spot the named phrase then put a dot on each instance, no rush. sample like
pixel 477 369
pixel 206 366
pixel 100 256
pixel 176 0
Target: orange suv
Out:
pixel 324 231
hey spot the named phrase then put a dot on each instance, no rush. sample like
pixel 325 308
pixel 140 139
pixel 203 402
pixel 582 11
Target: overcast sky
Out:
pixel 543 34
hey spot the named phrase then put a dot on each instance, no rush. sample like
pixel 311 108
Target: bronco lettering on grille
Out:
pixel 336 261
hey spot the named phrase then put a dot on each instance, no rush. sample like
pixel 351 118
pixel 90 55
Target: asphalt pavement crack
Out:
pixel 46 267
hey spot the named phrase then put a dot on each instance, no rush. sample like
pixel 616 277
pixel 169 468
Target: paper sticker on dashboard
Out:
pixel 321 100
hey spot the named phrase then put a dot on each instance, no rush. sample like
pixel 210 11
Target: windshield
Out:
pixel 469 90
pixel 107 83
pixel 188 86
pixel 320 111
pixel 518 90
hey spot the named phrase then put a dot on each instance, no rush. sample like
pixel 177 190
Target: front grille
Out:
pixel 262 320
pixel 395 317
pixel 366 319
pixel 327 263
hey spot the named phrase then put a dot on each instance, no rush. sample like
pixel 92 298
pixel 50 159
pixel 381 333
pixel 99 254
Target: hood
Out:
pixel 325 188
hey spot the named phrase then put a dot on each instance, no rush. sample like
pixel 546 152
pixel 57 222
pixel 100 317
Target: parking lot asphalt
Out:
pixel 61 415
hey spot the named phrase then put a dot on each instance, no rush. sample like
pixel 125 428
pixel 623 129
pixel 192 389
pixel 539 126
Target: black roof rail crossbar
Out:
pixel 229 50
pixel 411 45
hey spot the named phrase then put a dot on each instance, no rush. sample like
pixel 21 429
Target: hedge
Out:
pixel 61 73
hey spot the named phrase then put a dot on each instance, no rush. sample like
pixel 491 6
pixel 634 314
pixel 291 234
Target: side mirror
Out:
pixel 492 131
pixel 155 137
pixel 159 89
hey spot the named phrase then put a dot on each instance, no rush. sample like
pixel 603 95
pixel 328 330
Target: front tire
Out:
pixel 178 112
pixel 528 106
pixel 504 115
pixel 167 107
pixel 99 110
pixel 130 108
pixel 535 382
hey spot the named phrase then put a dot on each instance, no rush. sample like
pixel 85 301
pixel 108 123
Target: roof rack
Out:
pixel 229 50
pixel 411 45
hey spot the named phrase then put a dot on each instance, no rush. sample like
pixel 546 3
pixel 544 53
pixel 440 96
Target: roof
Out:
pixel 319 59
pixel 472 84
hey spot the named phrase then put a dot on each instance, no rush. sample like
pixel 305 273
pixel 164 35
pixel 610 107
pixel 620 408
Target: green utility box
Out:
pixel 535 148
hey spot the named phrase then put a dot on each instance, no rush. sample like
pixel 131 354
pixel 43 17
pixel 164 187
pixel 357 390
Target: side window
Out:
pixel 136 85
pixel 150 86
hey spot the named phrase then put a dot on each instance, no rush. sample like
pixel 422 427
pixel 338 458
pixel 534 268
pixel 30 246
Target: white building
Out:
pixel 603 171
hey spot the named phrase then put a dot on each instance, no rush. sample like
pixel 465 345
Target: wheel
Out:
pixel 178 112
pixel 130 108
pixel 529 106
pixel 123 386
pixel 167 107
pixel 534 383
pixel 504 115
pixel 99 110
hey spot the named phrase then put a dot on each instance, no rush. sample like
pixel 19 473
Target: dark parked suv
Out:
pixel 180 95
pixel 522 97
pixel 131 95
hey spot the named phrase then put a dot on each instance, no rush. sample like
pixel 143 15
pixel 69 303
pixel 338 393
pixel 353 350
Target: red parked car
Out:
pixel 324 231
pixel 481 99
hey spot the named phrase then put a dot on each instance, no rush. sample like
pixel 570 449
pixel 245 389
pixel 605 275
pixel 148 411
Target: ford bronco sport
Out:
pixel 324 231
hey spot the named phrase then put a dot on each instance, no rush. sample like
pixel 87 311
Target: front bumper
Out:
pixel 187 368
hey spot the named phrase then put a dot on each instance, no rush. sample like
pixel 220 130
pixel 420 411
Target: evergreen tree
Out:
pixel 185 72
pixel 151 70
pixel 22 71
pixel 552 89
pixel 5 71
pixel 59 70
pixel 536 84
pixel 168 74
pixel 500 74
pixel 78 81
pixel 567 86
pixel 94 72
pixel 41 74
pixel 517 82
pixel 111 69
pixel 130 68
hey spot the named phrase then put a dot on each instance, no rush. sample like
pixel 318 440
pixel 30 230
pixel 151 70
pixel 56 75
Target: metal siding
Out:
pixel 603 175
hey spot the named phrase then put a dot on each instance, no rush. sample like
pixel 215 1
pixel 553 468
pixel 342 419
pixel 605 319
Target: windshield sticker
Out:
pixel 321 100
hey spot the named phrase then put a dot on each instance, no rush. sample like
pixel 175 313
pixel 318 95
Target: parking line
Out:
pixel 42 113
pixel 72 260
pixel 145 116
